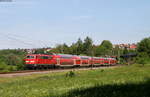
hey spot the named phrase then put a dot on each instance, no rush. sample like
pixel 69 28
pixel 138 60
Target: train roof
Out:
pixel 37 54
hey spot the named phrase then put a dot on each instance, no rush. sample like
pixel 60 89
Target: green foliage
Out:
pixel 2 66
pixel 64 48
pixel 100 50
pixel 88 46
pixel 79 48
pixel 70 74
pixel 102 70
pixel 11 59
pixel 73 49
pixel 6 68
pixel 39 51
pixel 125 51
pixel 117 51
pixel 107 44
pixel 143 51
pixel 57 49
pixel 122 61
pixel 105 48
pixel 144 46
pixel 143 58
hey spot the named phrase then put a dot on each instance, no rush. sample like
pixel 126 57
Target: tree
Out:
pixel 105 48
pixel 88 46
pixel 142 58
pixel 107 44
pixel 65 49
pixel 57 49
pixel 125 51
pixel 143 51
pixel 39 51
pixel 79 48
pixel 73 49
pixel 100 50
pixel 12 59
pixel 144 46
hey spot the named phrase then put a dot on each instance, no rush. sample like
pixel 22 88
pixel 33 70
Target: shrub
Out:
pixel 70 74
pixel 143 58
pixel 7 68
pixel 2 66
pixel 102 70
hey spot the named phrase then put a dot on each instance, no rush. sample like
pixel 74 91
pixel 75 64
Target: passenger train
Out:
pixel 63 60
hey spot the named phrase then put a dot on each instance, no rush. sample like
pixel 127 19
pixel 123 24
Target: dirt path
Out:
pixel 52 71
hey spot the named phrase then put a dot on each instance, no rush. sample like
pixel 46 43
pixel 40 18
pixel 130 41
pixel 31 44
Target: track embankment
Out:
pixel 31 72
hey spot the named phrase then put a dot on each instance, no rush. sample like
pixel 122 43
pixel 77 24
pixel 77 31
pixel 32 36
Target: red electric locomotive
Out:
pixel 39 60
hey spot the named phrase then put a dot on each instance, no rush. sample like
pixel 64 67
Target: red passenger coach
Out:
pixel 66 60
pixel 85 61
pixel 110 61
pixel 98 60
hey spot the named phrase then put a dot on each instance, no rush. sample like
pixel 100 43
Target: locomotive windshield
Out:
pixel 30 57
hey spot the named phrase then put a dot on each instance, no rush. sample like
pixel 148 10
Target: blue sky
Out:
pixel 38 23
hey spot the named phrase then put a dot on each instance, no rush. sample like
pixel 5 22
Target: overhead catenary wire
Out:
pixel 18 40
pixel 27 42
pixel 43 43
pixel 28 39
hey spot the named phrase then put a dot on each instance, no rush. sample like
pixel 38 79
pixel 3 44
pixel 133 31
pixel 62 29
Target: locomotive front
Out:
pixel 30 60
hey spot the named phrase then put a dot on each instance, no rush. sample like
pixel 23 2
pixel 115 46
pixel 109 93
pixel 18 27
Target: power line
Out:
pixel 22 37
pixel 17 40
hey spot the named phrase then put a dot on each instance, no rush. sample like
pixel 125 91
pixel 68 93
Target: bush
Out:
pixel 143 58
pixel 11 60
pixel 7 68
pixel 2 66
pixel 70 74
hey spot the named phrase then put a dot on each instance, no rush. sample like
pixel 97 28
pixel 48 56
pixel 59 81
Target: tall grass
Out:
pixel 124 81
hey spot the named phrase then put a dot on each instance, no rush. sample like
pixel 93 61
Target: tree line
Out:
pixel 85 47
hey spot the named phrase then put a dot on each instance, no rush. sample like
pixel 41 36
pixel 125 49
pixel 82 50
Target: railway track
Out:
pixel 30 72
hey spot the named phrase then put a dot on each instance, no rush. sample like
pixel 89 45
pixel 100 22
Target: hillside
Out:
pixel 126 81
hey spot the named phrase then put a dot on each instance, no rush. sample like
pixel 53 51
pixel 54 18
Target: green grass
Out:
pixel 126 81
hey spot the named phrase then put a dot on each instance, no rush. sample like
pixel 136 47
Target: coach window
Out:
pixel 50 57
pixel 66 57
pixel 44 57
pixel 84 58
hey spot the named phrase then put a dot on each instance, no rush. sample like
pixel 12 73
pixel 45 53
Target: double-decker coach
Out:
pixel 85 61
pixel 98 60
pixel 66 60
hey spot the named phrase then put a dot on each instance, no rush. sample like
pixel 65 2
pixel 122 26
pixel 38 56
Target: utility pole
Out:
pixel 118 56
pixel 92 52
pixel 62 49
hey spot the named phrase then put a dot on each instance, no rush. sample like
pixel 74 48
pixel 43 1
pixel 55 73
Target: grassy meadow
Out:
pixel 125 81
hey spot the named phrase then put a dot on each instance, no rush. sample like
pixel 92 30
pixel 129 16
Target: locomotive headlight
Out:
pixel 30 61
pixel 27 61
